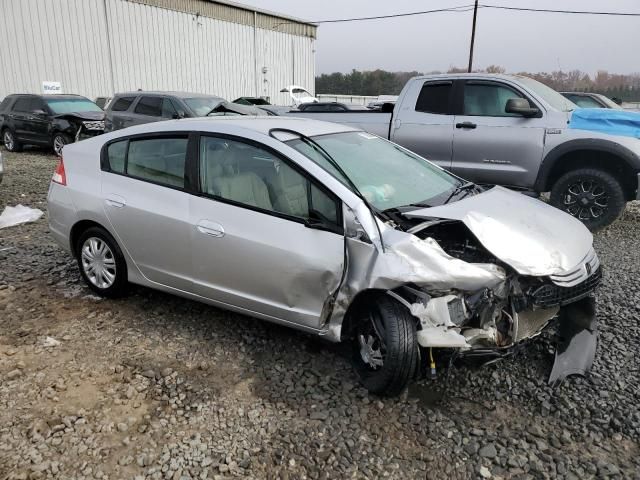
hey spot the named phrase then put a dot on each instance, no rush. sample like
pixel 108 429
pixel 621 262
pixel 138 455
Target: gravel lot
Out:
pixel 153 386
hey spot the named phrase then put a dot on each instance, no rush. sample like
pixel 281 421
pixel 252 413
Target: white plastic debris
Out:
pixel 19 214
pixel 50 342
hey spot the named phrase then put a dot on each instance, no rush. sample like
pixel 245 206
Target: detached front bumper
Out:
pixel 578 333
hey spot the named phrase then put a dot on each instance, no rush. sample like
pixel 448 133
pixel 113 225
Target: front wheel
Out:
pixel 593 196
pixel 385 348
pixel 59 141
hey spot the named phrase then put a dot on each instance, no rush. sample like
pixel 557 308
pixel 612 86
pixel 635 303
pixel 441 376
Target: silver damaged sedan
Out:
pixel 333 231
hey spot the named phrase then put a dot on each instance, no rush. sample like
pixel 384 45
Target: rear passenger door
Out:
pixel 144 189
pixel 494 147
pixel 153 109
pixel 18 117
pixel 265 238
pixel 426 128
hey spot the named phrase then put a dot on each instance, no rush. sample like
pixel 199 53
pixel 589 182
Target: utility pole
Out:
pixel 473 36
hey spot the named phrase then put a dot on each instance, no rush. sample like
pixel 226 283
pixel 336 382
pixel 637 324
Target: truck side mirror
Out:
pixel 179 114
pixel 521 106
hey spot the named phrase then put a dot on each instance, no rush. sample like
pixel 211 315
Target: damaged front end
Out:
pixel 477 301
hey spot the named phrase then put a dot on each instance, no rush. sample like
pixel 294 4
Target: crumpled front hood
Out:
pixel 527 234
pixel 92 116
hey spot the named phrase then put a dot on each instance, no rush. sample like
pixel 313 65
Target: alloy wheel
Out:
pixel 586 199
pixel 58 143
pixel 98 262
pixel 371 342
pixel 8 140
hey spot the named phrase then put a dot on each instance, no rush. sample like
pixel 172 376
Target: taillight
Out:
pixel 59 176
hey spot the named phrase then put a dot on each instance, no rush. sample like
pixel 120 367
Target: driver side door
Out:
pixel 491 146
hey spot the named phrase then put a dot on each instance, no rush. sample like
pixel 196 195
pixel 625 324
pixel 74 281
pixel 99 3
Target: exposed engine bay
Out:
pixel 519 308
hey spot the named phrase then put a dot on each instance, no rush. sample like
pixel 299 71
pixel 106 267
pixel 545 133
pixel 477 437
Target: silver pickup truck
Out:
pixel 516 132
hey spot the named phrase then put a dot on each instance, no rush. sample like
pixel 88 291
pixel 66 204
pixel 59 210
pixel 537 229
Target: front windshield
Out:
pixel 549 95
pixel 201 106
pixel 300 93
pixel 60 106
pixel 387 175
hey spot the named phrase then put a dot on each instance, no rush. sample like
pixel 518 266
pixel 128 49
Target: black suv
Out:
pixel 48 120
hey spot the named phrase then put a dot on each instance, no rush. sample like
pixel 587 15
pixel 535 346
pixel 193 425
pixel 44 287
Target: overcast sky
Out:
pixel 518 41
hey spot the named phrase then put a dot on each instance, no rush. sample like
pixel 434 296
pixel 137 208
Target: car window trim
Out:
pixel 104 157
pixel 338 228
pixel 450 102
pixel 499 84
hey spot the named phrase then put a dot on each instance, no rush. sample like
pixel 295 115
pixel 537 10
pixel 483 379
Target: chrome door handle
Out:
pixel 212 229
pixel 115 201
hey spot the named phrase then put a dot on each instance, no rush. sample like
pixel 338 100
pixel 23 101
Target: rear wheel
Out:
pixel 101 263
pixel 385 348
pixel 10 142
pixel 59 141
pixel 593 196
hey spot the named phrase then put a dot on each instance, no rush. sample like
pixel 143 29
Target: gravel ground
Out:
pixel 153 386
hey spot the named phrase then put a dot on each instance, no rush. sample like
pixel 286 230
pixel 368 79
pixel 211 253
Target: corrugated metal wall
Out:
pixel 96 47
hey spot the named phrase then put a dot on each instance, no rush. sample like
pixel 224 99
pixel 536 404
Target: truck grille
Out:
pixel 551 295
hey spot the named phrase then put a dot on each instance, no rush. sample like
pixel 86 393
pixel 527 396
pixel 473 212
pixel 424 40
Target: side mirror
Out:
pixel 39 113
pixel 179 115
pixel 521 106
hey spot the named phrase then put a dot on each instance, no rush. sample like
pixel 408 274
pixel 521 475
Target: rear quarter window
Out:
pixel 116 153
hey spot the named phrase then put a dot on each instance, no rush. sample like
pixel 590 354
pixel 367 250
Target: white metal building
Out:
pixel 98 47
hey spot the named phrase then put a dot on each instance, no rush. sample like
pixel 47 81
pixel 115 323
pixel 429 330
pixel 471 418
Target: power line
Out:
pixel 467 8
pixel 460 8
pixel 547 10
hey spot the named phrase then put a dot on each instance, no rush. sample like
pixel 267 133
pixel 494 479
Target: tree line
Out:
pixel 381 82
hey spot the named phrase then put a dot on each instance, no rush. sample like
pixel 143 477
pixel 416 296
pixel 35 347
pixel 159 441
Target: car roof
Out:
pixel 262 125
pixel 47 97
pixel 480 75
pixel 168 93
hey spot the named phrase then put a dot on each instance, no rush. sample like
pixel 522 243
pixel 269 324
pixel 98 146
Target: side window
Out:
pixel 151 106
pixel 116 153
pixel 159 160
pixel 487 100
pixel 168 111
pixel 5 104
pixel 122 104
pixel 435 97
pixel 23 104
pixel 585 102
pixel 37 104
pixel 253 176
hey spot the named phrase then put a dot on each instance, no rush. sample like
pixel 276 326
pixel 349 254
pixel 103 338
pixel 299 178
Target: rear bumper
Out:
pixel 62 214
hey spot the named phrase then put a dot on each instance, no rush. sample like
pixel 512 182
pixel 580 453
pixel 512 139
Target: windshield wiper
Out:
pixel 459 189
pixel 318 148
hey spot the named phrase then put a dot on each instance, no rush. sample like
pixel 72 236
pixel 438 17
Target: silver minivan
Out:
pixel 330 230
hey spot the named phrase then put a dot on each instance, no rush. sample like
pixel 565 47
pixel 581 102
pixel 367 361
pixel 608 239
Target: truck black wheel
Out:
pixel 385 348
pixel 10 142
pixel 593 196
pixel 59 141
pixel 101 263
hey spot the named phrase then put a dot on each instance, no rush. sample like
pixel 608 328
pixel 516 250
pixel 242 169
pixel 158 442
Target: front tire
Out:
pixel 101 263
pixel 385 348
pixel 59 141
pixel 593 196
pixel 10 142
